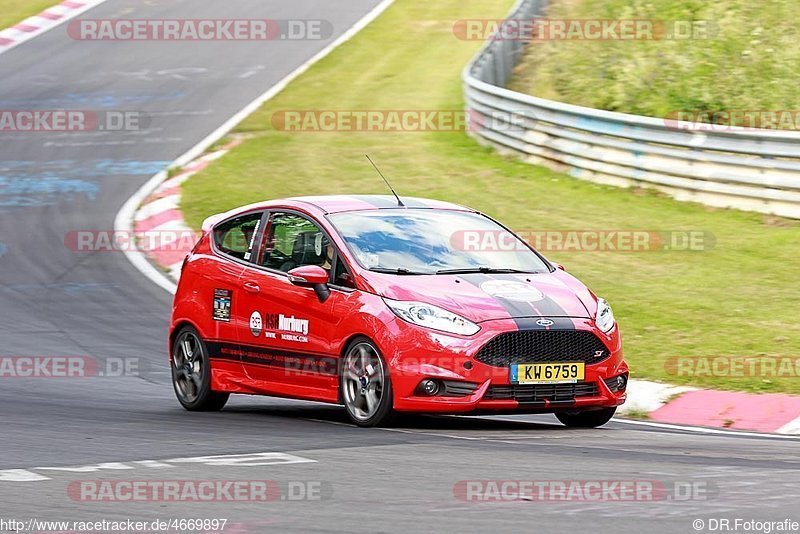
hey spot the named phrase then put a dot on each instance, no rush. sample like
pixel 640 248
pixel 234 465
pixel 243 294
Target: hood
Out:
pixel 485 297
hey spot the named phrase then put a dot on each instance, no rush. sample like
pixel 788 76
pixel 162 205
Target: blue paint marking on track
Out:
pixel 95 100
pixel 74 168
pixel 34 184
pixel 43 191
pixel 71 288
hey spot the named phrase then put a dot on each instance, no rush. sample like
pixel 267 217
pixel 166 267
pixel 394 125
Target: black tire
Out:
pixel 586 419
pixel 355 392
pixel 191 373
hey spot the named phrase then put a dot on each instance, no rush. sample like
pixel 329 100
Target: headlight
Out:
pixel 605 317
pixel 433 317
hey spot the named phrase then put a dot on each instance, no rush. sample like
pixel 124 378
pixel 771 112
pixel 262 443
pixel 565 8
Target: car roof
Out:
pixel 337 204
pixel 340 203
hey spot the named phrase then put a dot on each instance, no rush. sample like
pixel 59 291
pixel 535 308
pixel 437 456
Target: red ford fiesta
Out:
pixel 389 307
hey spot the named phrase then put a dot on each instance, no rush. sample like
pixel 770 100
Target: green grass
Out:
pixel 13 11
pixel 749 63
pixel 640 414
pixel 739 298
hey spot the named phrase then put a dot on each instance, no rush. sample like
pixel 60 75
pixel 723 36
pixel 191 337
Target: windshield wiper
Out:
pixel 398 270
pixel 484 270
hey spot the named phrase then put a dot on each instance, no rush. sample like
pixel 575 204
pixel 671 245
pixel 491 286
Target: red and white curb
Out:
pixel 678 405
pixel 44 21
pixel 160 218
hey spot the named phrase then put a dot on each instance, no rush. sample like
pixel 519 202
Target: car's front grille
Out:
pixel 540 392
pixel 533 346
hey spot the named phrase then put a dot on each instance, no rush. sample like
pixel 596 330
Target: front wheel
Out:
pixel 586 419
pixel 365 385
pixel 191 373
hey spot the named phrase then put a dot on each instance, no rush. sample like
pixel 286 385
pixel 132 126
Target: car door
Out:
pixel 232 241
pixel 287 345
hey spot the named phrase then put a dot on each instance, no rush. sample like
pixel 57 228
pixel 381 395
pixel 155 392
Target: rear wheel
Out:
pixel 586 419
pixel 365 385
pixel 191 373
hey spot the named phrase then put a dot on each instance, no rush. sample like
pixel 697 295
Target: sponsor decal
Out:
pixel 222 305
pixel 511 290
pixel 248 254
pixel 293 363
pixel 256 324
pixel 290 328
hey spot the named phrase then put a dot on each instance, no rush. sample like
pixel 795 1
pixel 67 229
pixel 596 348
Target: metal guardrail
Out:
pixel 749 169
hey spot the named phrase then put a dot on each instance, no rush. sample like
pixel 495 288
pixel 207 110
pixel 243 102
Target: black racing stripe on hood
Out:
pixel 559 323
pixel 514 308
pixel 526 314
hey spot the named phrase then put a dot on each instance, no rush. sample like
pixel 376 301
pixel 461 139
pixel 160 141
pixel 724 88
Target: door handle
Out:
pixel 251 287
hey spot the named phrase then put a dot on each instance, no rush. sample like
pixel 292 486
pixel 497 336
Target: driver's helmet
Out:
pixel 321 244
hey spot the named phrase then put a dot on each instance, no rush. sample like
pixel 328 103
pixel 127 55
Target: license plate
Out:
pixel 547 373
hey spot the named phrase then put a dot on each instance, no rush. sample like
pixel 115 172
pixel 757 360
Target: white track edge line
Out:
pixel 705 430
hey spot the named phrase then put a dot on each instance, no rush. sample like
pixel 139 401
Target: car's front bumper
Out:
pixel 416 354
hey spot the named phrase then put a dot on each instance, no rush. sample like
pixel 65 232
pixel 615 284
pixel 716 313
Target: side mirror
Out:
pixel 311 276
pixel 559 266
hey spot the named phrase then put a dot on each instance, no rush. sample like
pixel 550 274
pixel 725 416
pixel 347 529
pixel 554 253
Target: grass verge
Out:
pixel 737 297
pixel 741 57
pixel 13 11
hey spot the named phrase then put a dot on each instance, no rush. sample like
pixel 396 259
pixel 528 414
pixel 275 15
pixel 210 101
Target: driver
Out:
pixel 322 243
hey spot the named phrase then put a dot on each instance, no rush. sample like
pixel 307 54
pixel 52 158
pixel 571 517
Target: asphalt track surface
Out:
pixel 54 301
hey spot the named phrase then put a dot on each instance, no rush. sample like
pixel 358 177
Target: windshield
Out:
pixel 424 241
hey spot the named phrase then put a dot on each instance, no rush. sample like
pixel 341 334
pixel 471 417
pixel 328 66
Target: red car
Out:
pixel 386 306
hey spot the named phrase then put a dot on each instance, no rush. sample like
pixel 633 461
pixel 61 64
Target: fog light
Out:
pixel 622 381
pixel 429 387
pixel 617 383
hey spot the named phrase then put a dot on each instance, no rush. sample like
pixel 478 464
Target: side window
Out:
pixel 236 237
pixel 294 241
